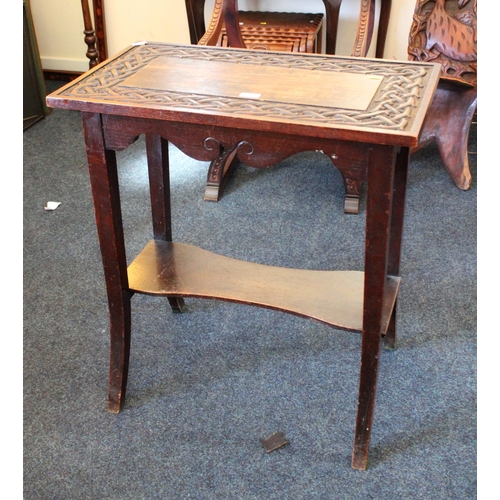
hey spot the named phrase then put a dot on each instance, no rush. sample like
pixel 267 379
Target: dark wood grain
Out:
pixel 100 29
pixel 332 297
pixel 380 179
pixel 106 195
pixel 159 187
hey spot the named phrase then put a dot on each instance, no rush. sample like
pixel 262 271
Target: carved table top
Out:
pixel 368 100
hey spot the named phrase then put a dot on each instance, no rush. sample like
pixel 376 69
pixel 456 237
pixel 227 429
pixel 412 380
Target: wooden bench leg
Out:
pixel 195 10
pixel 453 141
pixel 332 10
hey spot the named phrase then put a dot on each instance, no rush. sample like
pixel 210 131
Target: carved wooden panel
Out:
pixel 445 32
pixel 393 107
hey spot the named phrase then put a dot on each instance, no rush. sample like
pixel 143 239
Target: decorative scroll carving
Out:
pixel 212 34
pixel 220 164
pixel 445 32
pixel 215 172
pixel 392 107
pixel 210 143
pixel 365 28
pixel 246 144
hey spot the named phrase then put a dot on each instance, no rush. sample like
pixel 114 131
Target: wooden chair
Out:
pixel 450 116
pixel 279 31
pixel 226 28
pixel 95 39
pixel 226 11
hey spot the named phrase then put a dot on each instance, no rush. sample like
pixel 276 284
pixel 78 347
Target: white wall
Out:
pixel 59 26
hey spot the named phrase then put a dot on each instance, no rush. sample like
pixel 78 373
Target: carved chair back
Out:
pixel 225 12
pixel 445 31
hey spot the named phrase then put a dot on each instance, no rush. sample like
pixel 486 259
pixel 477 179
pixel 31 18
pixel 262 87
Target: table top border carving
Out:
pixel 393 107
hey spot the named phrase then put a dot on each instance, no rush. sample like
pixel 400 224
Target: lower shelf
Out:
pixel 332 297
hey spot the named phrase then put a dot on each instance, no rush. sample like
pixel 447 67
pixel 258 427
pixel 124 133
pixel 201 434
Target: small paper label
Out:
pixel 51 205
pixel 249 95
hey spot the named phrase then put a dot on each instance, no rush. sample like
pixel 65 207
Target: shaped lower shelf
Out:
pixel 332 297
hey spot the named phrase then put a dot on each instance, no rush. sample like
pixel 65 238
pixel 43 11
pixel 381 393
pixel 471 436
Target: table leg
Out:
pixel 105 192
pixel 396 234
pixel 159 188
pixel 378 223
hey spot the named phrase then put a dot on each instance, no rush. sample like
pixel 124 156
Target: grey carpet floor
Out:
pixel 206 385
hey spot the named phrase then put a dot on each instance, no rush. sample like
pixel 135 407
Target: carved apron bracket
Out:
pixel 220 169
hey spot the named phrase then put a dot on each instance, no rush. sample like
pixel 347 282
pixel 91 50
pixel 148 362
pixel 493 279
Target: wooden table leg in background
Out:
pixel 159 187
pixel 396 232
pixel 97 50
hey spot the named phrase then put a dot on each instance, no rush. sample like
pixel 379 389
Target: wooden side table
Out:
pixel 203 100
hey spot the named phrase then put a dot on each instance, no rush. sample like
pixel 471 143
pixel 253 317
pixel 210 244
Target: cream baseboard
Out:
pixel 65 65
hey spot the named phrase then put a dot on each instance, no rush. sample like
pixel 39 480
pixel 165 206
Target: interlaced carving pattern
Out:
pixel 391 108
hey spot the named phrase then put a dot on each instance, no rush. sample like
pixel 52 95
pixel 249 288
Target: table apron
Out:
pixel 254 148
